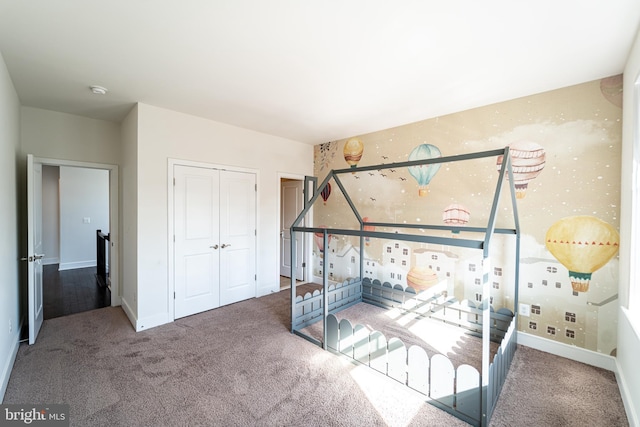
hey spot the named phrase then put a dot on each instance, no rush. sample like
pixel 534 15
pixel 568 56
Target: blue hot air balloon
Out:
pixel 424 173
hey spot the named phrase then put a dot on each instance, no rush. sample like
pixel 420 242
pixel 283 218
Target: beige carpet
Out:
pixel 240 366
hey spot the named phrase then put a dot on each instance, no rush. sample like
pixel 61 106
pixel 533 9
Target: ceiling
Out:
pixel 311 71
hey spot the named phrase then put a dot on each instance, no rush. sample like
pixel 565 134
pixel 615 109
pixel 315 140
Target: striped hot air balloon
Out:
pixel 325 193
pixel 527 161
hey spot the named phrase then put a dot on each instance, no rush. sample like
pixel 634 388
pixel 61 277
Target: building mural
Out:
pixel 565 148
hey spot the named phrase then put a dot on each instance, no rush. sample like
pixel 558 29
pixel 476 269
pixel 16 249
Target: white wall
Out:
pixel 164 134
pixel 84 196
pixel 129 218
pixel 9 256
pixel 50 214
pixel 629 321
pixel 55 135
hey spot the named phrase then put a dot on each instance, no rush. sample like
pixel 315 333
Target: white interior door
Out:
pixel 237 236
pixel 196 228
pixel 291 196
pixel 34 247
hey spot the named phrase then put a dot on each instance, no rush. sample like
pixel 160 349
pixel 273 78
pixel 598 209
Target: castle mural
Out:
pixel 565 148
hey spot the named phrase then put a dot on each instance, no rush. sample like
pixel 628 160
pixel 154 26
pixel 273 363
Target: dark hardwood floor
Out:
pixel 72 291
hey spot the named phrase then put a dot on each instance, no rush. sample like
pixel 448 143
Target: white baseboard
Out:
pixel 142 324
pixel 76 264
pixel 266 290
pixel 578 354
pixel 50 261
pixel 8 367
pixel 129 312
pixel 152 321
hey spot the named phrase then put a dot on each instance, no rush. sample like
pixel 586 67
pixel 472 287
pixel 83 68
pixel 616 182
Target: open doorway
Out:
pixel 291 204
pixel 75 204
pixel 35 250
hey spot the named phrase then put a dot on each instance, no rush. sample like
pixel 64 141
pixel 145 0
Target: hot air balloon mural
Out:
pixel 421 278
pixel 353 150
pixel 611 88
pixel 325 193
pixel 527 161
pixel 424 173
pixel 318 238
pixel 456 214
pixel 367 228
pixel 583 244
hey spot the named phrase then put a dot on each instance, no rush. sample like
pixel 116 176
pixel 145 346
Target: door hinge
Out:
pixel 255 277
pixel 174 181
pixel 304 264
pixel 255 232
pixel 174 295
pixel 256 187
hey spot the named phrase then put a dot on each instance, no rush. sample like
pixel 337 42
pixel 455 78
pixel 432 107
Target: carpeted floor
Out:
pixel 240 366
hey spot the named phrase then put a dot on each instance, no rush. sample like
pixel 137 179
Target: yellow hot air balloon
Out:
pixel 583 244
pixel 353 150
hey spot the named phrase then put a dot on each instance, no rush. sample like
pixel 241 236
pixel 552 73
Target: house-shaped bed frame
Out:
pixel 463 392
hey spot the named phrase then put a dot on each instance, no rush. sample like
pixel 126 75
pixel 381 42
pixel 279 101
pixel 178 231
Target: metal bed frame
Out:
pixel 493 372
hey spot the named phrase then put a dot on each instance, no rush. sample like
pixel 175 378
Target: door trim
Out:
pixel 171 162
pixel 307 241
pixel 114 224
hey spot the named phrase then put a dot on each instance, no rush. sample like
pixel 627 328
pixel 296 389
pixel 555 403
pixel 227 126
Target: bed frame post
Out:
pixel 486 332
pixel 325 288
pixel 293 280
pixel 307 194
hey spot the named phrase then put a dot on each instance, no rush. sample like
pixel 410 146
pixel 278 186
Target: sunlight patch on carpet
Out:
pixel 397 405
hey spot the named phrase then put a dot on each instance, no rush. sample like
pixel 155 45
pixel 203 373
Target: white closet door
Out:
pixel 237 236
pixel 197 252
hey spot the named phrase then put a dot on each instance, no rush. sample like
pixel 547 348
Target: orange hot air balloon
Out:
pixel 367 228
pixel 583 244
pixel 421 278
pixel 527 161
pixel 353 150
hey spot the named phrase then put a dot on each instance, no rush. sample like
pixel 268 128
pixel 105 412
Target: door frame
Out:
pixel 114 225
pixel 171 162
pixel 307 240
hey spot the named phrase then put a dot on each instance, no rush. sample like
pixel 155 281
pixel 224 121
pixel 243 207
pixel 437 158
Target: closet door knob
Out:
pixel 214 247
pixel 224 245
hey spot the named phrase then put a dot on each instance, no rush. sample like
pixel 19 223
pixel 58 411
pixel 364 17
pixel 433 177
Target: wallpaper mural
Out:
pixel 565 148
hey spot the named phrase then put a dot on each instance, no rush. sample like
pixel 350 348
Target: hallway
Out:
pixel 72 291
